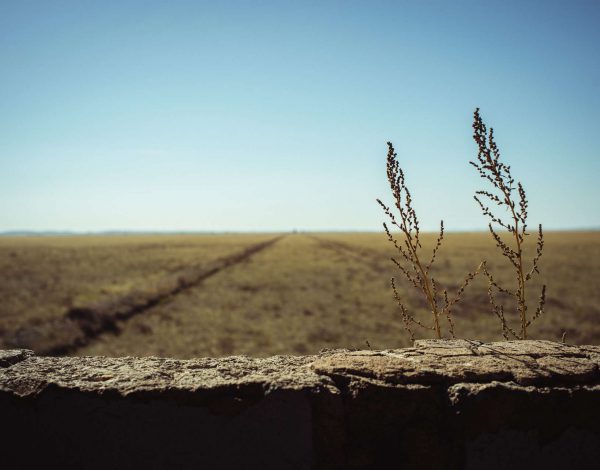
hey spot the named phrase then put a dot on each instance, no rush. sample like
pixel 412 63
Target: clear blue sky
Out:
pixel 239 115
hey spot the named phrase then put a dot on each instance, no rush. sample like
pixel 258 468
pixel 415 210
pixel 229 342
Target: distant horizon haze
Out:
pixel 67 233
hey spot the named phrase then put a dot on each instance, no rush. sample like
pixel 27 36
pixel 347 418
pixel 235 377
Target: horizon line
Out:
pixel 25 233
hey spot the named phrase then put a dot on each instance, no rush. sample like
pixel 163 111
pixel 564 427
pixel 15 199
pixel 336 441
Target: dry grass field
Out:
pixel 214 295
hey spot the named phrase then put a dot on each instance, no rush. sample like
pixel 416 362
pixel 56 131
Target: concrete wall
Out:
pixel 440 404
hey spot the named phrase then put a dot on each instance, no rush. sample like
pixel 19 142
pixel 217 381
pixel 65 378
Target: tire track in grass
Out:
pixel 80 325
pixel 367 256
pixel 364 255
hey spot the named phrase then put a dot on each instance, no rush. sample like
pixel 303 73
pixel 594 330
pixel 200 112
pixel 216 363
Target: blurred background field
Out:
pixel 302 293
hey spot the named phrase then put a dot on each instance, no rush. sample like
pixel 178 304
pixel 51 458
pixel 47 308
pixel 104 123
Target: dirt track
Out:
pixel 80 325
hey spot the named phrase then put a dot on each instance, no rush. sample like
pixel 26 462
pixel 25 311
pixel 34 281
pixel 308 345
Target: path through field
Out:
pixel 298 296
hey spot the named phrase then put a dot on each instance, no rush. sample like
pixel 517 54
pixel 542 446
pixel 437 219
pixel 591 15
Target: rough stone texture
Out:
pixel 432 362
pixel 9 357
pixel 439 404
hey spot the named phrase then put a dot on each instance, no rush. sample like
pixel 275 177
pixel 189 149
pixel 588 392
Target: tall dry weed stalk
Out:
pixel 410 262
pixel 502 195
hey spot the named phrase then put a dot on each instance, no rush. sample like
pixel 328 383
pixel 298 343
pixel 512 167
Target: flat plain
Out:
pixel 264 294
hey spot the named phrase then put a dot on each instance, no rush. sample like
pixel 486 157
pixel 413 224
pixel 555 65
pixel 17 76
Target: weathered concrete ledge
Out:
pixel 440 404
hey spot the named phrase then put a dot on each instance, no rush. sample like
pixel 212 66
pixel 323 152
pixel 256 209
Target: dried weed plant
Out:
pixel 502 195
pixel 409 260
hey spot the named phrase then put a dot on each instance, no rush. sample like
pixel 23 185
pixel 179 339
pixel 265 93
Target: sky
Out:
pixel 273 116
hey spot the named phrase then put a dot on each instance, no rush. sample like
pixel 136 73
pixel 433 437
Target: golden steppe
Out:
pixel 302 293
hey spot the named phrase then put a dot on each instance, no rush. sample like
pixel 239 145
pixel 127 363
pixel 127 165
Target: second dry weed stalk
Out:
pixel 409 260
pixel 492 169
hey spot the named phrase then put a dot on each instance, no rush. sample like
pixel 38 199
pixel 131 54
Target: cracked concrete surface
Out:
pixel 440 404
pixel 431 362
